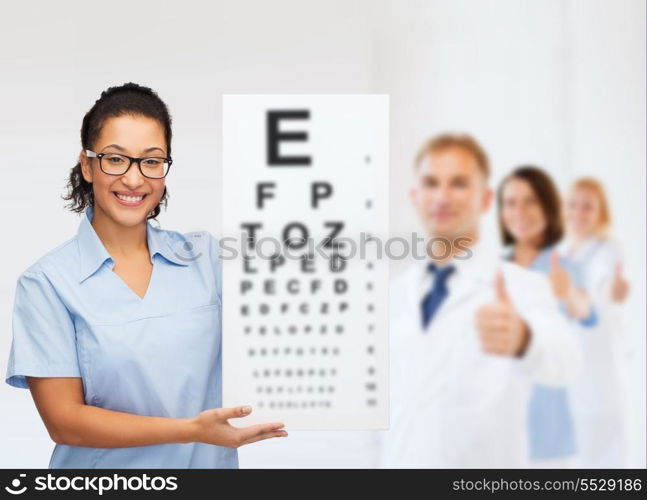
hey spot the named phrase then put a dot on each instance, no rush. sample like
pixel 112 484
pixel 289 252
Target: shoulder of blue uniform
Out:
pixel 185 247
pixel 56 259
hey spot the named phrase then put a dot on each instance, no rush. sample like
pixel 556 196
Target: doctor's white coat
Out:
pixel 600 396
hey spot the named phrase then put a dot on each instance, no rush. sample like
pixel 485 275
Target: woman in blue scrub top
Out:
pixel 531 225
pixel 117 331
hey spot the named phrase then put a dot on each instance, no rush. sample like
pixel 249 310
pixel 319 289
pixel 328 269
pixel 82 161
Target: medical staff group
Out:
pixel 511 358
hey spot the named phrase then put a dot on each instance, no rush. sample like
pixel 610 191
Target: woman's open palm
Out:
pixel 213 427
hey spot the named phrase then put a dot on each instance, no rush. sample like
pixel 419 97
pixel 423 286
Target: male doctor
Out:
pixel 469 332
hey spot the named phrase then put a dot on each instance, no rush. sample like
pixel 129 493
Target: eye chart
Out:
pixel 305 290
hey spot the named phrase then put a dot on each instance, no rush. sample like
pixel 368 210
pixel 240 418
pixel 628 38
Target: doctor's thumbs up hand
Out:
pixel 212 427
pixel 619 285
pixel 501 330
pixel 559 279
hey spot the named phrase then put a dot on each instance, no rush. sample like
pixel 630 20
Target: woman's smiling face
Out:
pixel 583 212
pixel 131 135
pixel 521 212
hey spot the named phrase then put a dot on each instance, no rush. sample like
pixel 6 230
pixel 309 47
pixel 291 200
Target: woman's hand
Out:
pixel 619 285
pixel 212 427
pixel 559 279
pixel 577 302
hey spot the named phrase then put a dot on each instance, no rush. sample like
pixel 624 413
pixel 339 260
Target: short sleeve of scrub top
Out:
pixel 159 355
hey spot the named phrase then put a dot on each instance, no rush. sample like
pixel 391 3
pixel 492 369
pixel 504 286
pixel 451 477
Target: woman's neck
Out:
pixel 577 240
pixel 119 240
pixel 524 253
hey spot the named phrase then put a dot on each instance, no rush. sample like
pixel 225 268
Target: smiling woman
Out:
pixel 531 225
pixel 116 333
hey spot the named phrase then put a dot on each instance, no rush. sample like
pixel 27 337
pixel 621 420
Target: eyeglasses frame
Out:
pixel 131 159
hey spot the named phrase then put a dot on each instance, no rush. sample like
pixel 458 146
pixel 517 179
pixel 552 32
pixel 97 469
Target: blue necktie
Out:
pixel 438 292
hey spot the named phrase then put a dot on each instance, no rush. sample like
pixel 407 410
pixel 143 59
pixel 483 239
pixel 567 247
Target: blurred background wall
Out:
pixel 558 83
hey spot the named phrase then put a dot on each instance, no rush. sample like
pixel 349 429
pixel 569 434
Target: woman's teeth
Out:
pixel 130 199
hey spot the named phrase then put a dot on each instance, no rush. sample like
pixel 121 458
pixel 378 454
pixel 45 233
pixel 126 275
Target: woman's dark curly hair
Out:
pixel 126 99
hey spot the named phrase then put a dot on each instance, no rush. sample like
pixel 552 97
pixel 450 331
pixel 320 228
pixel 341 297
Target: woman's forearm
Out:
pixel 90 426
pixel 70 421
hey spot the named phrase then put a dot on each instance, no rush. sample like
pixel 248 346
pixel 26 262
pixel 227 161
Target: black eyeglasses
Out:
pixel 153 167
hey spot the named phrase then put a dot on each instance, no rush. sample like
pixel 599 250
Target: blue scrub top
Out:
pixel 551 429
pixel 157 356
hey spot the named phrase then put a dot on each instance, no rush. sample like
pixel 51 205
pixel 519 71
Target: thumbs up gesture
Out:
pixel 619 285
pixel 501 330
pixel 559 278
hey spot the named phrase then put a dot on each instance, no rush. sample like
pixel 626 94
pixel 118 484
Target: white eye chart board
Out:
pixel 305 290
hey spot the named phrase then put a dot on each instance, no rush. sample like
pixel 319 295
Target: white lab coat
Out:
pixel 453 406
pixel 599 398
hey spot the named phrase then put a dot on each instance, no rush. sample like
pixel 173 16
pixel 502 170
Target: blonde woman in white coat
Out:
pixel 599 398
